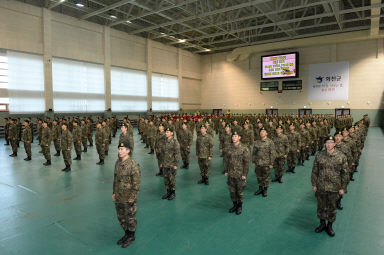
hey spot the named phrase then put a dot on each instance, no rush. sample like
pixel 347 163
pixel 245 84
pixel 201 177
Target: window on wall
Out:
pixel 23 74
pixel 77 86
pixel 165 92
pixel 4 100
pixel 128 90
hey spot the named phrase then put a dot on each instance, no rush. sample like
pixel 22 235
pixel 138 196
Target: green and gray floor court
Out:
pixel 46 211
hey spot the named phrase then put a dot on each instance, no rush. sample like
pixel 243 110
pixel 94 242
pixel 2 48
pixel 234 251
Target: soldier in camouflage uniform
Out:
pixel 90 131
pixel 107 132
pixel 226 140
pixel 237 171
pixel 236 128
pixel 6 130
pixel 304 144
pixel 66 146
pixel 204 152
pixel 263 157
pixel 294 148
pixel 84 135
pixel 27 138
pixel 56 134
pixel 170 155
pixel 45 143
pixel 247 136
pixel 101 139
pixel 39 129
pixel 76 136
pixel 126 186
pixel 184 138
pixel 282 148
pixel 125 137
pixel 159 141
pixel 329 179
pixel 151 136
pixel 323 133
pixel 114 122
pixel 13 137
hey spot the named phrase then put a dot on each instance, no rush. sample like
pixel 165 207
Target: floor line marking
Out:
pixel 25 188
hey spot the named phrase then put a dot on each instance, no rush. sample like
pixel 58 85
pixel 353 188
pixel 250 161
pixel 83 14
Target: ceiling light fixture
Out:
pixel 207 50
pixel 113 16
pixel 78 4
pixel 182 40
pixel 129 22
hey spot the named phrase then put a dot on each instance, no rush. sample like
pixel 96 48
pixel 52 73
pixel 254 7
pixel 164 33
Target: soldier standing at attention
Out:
pixel 329 179
pixel 126 186
pixel 84 135
pixel 170 153
pixel 27 138
pixel 282 149
pixel 237 171
pixel 100 140
pixel 90 131
pixel 294 148
pixel 204 152
pixel 263 157
pixel 6 130
pixel 45 143
pixel 151 136
pixel 39 127
pixel 76 135
pixel 56 134
pixel 247 137
pixel 226 140
pixel 159 141
pixel 305 140
pixel 114 126
pixel 125 137
pixel 107 132
pixel 66 146
pixel 13 137
pixel 185 140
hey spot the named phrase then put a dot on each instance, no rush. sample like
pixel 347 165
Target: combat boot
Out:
pixel 172 195
pixel 68 168
pixel 265 191
pixel 351 177
pixel 91 145
pixel 329 229
pixel 85 150
pixel 130 239
pixel 321 227
pixel 160 173
pixel 151 152
pixel 280 180
pixel 201 181
pixel 28 159
pixel 123 239
pixel 183 166
pixel 167 194
pixel 239 208
pixel 186 165
pixel 338 204
pixel 293 170
pixel 289 169
pixel 206 181
pixel 106 153
pixel 77 158
pixel 276 179
pixel 13 155
pixel 233 209
pixel 101 162
pixel 57 154
pixel 47 163
pixel 146 146
pixel 260 191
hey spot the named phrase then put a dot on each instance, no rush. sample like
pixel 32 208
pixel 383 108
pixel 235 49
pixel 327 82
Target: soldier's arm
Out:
pixel 210 147
pixel 344 173
pixel 245 162
pixel 315 172
pixel 254 152
pixel 135 183
pixel 177 154
pixel 272 153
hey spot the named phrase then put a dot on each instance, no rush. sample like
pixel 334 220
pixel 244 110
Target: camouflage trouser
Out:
pixel 67 157
pixel 46 152
pixel 204 167
pixel 314 147
pixel 77 146
pixel 262 174
pixel 278 165
pixel 145 139
pixel 320 143
pixel 185 154
pixel 106 147
pixel 158 158
pixel 326 205
pixel 236 189
pixel 27 147
pixel 303 153
pixel 126 214
pixel 90 139
pixel 14 143
pixel 6 138
pixel 84 142
pixel 114 132
pixel 151 142
pixel 169 178
pixel 292 157
pixel 56 143
pixel 101 151
pixel 225 159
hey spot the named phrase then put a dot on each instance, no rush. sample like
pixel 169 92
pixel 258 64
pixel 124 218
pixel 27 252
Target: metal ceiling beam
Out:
pixel 375 22
pixel 107 8
pixel 335 10
pixel 58 2
pixel 202 15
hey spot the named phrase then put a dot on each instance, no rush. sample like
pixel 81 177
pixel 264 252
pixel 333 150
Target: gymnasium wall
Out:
pixel 236 86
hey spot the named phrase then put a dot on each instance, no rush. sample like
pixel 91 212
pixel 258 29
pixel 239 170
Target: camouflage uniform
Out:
pixel 12 137
pixel 184 138
pixel 159 141
pixel 101 139
pixel 76 136
pixel 56 133
pixel 46 142
pixel 84 137
pixel 226 141
pixel 204 150
pixel 282 148
pixel 66 146
pixel 90 132
pixel 126 138
pixel 294 145
pixel 263 156
pixel 305 140
pixel 238 166
pixel 27 138
pixel 107 132
pixel 126 186
pixel 170 156
pixel 151 136
pixel 329 175
pixel 247 137
pixel 323 133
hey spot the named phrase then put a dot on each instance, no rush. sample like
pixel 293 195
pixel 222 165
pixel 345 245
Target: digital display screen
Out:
pixel 280 66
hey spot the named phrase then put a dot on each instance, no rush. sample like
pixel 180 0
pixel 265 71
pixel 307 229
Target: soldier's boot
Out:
pixel 101 162
pixel 47 163
pixel 202 180
pixel 206 180
pixel 186 165
pixel 302 162
pixel 160 173
pixel 167 194
pixel 280 179
pixel 321 227
pixel 123 239
pixel 68 168
pixel 260 191
pixel 183 166
pixel 239 208
pixel 106 153
pixel 146 146
pixel 307 158
pixel 64 169
pixel 7 143
pixel 77 158
pixel 151 152
pixel 13 155
pixel 172 195
pixel 28 159
pixel 338 204
pixel 57 154
pixel 130 239
pixel 40 151
pixel 275 179
pixel 289 169
pixel 233 209
pixel 85 150
pixel 329 229
pixel 351 177
pixel 299 162
pixel 293 170
pixel 265 191
pixel 91 145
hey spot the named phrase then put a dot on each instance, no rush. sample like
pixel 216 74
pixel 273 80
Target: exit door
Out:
pixel 342 112
pixel 304 112
pixel 272 111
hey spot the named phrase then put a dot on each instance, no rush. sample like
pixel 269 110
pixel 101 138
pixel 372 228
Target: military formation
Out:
pixel 268 142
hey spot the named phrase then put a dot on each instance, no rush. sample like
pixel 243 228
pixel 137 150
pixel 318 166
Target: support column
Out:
pixel 333 56
pixel 107 66
pixel 47 58
pixel 149 74
pixel 180 75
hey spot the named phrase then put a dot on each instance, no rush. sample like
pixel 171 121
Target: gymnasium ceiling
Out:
pixel 209 26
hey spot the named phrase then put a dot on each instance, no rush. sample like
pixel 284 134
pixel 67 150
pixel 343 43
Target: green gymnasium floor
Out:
pixel 46 211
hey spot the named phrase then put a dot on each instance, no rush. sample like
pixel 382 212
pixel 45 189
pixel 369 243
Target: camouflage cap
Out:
pixel 329 138
pixel 126 145
pixel 203 126
pixel 346 129
pixel 279 127
pixel 124 125
pixel 338 132
pixel 236 133
pixel 169 129
pixel 261 129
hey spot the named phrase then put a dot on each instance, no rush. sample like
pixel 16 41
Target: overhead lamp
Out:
pixel 207 50
pixel 79 4
pixel 129 22
pixel 182 40
pixel 113 16
pixel 61 1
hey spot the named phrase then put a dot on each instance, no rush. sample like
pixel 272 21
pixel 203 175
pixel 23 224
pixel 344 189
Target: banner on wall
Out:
pixel 328 81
